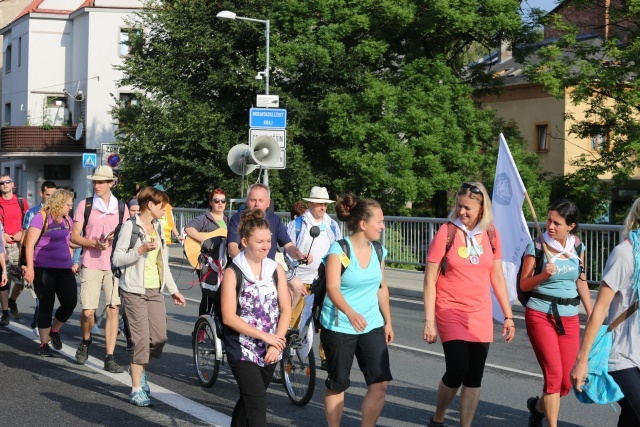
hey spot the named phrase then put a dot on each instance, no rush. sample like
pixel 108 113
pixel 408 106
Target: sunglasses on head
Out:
pixel 8 181
pixel 472 188
pixel 219 200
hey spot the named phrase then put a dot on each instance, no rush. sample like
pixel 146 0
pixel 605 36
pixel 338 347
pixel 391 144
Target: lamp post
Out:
pixel 225 14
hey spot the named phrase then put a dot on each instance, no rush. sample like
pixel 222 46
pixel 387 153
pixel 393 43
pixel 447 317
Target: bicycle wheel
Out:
pixel 204 353
pixel 298 375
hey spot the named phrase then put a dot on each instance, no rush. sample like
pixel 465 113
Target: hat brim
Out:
pixel 307 199
pixel 100 178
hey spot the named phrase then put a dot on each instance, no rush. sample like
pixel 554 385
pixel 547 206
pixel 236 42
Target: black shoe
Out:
pixel 54 339
pixel 13 309
pixel 129 345
pixel 435 424
pixel 535 417
pixel 82 354
pixel 110 365
pixel 323 365
pixel 4 320
pixel 45 351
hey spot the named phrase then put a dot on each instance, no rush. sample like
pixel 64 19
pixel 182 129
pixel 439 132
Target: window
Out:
pixel 128 40
pixel 56 101
pixel 597 142
pixel 128 99
pixel 542 135
pixel 7 114
pixel 57 172
pixel 7 59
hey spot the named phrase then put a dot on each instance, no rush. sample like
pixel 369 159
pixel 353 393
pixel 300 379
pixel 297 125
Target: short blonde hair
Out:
pixel 471 189
pixel 56 203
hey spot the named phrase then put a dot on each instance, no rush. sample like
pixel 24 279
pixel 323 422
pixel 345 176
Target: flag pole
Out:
pixel 535 220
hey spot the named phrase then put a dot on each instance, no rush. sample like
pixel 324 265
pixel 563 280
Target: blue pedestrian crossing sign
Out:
pixel 89 160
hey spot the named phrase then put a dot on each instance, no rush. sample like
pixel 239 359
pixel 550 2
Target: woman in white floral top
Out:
pixel 256 318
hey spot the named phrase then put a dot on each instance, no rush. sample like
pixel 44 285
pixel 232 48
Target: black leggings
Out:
pixel 49 283
pixel 629 382
pixel 253 380
pixel 465 363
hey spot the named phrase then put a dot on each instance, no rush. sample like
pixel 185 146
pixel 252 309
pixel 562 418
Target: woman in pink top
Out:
pixel 458 304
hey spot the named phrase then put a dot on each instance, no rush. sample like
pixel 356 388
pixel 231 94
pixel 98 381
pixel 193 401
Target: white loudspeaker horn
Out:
pixel 265 151
pixel 238 159
pixel 243 159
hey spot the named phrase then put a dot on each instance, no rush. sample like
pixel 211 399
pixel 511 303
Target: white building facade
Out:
pixel 58 88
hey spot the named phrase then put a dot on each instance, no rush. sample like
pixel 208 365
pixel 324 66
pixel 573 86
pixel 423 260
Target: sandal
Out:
pixel 435 424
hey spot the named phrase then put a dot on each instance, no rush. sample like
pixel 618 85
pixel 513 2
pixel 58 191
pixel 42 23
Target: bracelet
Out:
pixel 4 273
pixel 509 318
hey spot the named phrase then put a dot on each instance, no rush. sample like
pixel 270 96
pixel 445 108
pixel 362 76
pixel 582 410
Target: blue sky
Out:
pixel 541 4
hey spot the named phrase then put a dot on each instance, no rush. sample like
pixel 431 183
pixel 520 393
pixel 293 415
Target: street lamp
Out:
pixel 225 14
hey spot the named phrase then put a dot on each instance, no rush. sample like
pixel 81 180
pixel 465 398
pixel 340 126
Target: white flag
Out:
pixel 508 196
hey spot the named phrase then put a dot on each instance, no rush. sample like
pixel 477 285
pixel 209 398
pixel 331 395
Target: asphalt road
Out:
pixel 56 391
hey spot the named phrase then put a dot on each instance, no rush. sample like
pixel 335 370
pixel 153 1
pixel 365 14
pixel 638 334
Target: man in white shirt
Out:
pixel 299 233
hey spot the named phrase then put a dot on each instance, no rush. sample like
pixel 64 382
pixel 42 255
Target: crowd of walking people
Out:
pixel 120 252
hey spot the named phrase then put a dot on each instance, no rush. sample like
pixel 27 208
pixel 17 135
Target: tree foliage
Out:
pixel 379 102
pixel 601 75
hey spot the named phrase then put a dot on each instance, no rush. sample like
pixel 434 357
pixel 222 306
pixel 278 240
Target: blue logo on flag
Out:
pixel 502 190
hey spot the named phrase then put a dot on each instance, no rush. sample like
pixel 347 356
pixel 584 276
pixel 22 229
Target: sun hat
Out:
pixel 103 173
pixel 159 187
pixel 133 202
pixel 318 195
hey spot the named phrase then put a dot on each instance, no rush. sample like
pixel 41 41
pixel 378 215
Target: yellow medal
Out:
pixel 463 252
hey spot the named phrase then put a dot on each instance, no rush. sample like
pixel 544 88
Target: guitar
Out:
pixel 192 246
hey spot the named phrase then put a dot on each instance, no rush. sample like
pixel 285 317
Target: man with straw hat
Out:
pixel 94 223
pixel 299 233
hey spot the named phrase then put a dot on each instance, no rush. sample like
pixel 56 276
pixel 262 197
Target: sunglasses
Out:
pixel 219 200
pixel 472 188
pixel 8 181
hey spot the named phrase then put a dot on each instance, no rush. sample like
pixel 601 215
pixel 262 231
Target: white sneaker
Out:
pixel 95 330
pixel 35 332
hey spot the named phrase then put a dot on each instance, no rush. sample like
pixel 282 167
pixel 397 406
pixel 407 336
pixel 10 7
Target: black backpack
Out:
pixel 523 296
pixel 319 285
pixel 136 234
pixel 217 305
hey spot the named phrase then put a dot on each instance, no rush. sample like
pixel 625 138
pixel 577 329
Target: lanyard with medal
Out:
pixel 472 250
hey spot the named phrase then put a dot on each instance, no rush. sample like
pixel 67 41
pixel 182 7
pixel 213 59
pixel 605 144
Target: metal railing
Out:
pixel 407 239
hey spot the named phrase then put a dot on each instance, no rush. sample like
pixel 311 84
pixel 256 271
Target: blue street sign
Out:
pixel 89 160
pixel 268 118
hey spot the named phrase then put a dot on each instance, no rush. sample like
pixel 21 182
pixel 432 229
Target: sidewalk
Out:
pixel 402 283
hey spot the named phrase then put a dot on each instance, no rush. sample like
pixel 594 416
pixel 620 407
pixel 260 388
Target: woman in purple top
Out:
pixel 49 267
pixel 256 319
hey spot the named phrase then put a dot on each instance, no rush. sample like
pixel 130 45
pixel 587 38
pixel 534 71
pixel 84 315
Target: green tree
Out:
pixel 379 101
pixel 601 75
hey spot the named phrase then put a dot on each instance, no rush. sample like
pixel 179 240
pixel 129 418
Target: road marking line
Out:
pixel 435 353
pixel 162 394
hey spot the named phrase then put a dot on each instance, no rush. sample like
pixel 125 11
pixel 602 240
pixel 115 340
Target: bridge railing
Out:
pixel 407 239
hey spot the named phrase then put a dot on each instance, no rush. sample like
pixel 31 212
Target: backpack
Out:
pixel 45 227
pixel 21 204
pixel 87 212
pixel 213 260
pixel 298 222
pixel 136 233
pixel 452 229
pixel 217 304
pixel 319 285
pixel 523 296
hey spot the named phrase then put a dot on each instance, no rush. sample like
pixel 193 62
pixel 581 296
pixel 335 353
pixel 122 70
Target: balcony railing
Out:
pixel 37 139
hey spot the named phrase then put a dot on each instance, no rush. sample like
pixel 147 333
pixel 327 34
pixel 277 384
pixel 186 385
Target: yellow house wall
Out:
pixel 528 106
